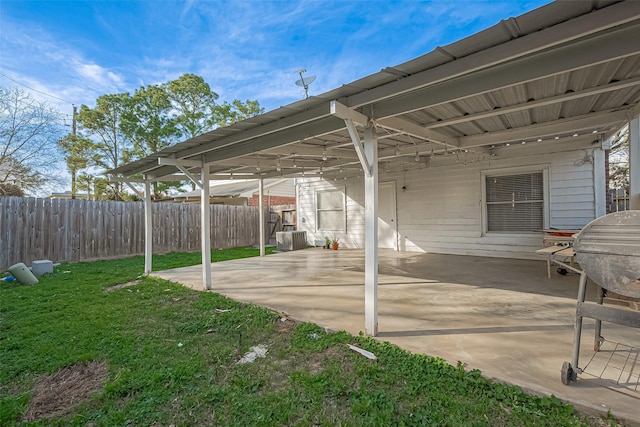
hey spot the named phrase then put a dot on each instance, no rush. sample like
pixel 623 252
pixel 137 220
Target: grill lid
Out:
pixel 608 250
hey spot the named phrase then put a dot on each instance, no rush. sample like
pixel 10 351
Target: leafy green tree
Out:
pixel 148 121
pixel 150 124
pixel 79 153
pixel 227 114
pixel 28 133
pixel 104 125
pixel 194 102
pixel 125 127
pixel 85 183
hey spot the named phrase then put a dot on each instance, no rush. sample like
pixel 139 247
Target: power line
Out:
pixel 36 90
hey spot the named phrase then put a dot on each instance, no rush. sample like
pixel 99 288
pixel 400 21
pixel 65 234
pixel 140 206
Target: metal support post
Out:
pixel 148 228
pixel 261 207
pixel 634 163
pixel 205 209
pixel 371 232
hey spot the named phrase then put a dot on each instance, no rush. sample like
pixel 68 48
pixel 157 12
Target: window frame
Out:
pixel 484 174
pixel 343 209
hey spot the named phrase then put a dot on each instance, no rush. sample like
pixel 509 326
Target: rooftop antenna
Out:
pixel 305 82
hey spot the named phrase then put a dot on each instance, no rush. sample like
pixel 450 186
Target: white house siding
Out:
pixel 441 209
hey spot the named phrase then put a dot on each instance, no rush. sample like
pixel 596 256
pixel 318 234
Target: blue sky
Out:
pixel 79 50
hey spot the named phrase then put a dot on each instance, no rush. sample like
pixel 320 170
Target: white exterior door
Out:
pixel 387 222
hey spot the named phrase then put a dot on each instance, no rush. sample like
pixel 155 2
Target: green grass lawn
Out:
pixel 156 353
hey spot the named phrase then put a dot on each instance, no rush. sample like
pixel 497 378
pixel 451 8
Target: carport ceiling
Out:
pixel 566 73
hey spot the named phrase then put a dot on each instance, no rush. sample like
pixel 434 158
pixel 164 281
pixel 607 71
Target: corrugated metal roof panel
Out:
pixel 513 28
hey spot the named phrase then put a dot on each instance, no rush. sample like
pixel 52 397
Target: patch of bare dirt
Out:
pixel 317 361
pixel 285 325
pixel 58 394
pixel 122 285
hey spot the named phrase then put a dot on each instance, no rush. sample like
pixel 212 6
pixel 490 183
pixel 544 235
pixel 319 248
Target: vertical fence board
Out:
pixel 4 234
pixel 30 222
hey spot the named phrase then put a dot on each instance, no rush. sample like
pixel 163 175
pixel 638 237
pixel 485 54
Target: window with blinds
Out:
pixel 515 203
pixel 330 210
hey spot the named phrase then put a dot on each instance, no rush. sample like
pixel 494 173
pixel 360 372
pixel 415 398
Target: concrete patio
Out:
pixel 501 316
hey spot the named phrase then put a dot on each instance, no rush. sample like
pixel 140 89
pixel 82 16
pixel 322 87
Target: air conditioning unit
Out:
pixel 291 240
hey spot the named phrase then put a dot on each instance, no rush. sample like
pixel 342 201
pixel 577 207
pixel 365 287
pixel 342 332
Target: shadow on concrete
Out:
pixel 483 330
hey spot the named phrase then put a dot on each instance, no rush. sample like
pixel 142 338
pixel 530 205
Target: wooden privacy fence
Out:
pixel 74 230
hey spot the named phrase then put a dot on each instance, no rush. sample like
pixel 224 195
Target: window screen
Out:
pixel 330 210
pixel 515 202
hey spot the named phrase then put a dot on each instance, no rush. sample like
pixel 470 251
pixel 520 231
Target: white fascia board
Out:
pixel 614 15
pixel 542 130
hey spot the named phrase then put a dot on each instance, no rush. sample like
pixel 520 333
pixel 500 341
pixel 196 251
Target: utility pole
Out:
pixel 73 132
pixel 73 125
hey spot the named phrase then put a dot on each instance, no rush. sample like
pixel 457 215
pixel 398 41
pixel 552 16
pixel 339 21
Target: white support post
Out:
pixel 355 139
pixel 371 233
pixel 634 163
pixel 261 207
pixel 148 228
pixel 205 209
pixel 599 183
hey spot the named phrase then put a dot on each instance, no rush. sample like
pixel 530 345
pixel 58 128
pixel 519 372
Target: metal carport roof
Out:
pixel 566 68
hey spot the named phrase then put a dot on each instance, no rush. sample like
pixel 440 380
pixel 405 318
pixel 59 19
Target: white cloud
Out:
pixel 39 60
pixel 98 75
pixel 243 49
